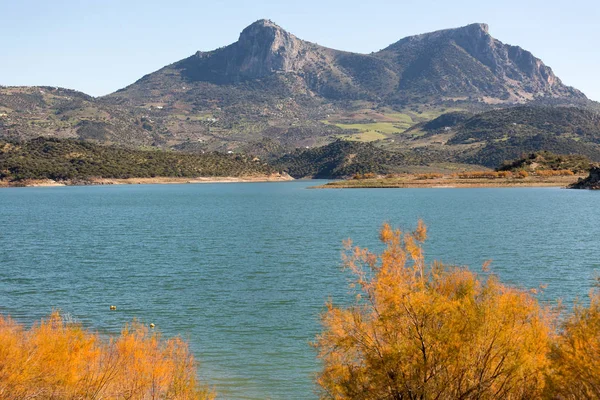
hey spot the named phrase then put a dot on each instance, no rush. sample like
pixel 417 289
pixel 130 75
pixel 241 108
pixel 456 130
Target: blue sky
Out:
pixel 100 46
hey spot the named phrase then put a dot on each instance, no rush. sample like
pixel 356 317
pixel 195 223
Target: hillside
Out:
pixel 342 159
pixel 68 159
pixel 492 137
pixel 547 161
pixel 30 112
pixel 339 159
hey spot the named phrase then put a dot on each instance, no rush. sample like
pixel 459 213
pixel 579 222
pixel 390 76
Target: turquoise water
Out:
pixel 243 270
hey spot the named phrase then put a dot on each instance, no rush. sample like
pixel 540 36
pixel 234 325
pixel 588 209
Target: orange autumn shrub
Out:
pixel 59 360
pixel 522 174
pixel 484 175
pixel 367 175
pixel 504 174
pixel 551 172
pixel 575 372
pixel 428 176
pixel 419 331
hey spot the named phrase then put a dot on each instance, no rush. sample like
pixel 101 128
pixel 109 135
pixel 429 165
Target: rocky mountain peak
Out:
pixel 263 48
pixel 476 28
pixel 476 31
pixel 469 60
pixel 258 27
pixel 458 64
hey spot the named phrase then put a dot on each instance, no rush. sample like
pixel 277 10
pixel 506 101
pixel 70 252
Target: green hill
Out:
pixel 545 160
pixel 68 159
pixel 492 137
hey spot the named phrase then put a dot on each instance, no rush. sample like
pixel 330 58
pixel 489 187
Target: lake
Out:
pixel 242 271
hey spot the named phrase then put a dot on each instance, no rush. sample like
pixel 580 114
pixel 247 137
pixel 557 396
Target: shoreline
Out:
pixel 449 183
pixel 146 181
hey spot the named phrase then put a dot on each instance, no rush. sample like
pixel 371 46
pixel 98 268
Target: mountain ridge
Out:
pixel 272 92
pixel 454 63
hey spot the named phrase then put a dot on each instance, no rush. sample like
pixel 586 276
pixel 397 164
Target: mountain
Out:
pixel 271 84
pixel 468 63
pixel 271 93
pixel 463 63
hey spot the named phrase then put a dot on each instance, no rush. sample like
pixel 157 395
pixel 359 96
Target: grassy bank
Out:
pixel 450 181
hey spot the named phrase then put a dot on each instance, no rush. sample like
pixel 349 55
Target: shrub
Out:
pixel 484 175
pixel 428 176
pixel 549 172
pixel 420 331
pixel 60 360
pixel 576 355
pixel 367 175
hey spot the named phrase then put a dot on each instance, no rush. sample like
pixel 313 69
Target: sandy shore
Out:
pixel 448 182
pixel 148 181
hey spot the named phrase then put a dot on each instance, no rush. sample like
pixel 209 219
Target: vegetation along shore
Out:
pixel 58 162
pixel 462 180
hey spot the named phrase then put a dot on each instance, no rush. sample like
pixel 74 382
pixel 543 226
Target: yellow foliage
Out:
pixel 484 175
pixel 550 172
pixel 576 355
pixel 368 175
pixel 428 176
pixel 59 360
pixel 522 174
pixel 430 332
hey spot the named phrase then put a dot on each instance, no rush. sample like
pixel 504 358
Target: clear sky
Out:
pixel 99 46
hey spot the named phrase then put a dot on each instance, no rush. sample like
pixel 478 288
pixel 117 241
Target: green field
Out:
pixel 384 124
pixel 367 136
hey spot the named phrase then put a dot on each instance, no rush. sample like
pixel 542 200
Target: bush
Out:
pixel 424 332
pixel 549 172
pixel 428 176
pixel 368 175
pixel 576 355
pixel 60 360
pixel 484 175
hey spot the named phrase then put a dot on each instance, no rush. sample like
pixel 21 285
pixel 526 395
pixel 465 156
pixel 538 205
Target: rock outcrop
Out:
pixel 468 61
pixel 591 182
pixel 263 49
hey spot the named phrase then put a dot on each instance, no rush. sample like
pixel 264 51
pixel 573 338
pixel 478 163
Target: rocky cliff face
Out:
pixel 264 48
pixel 468 61
pixel 457 64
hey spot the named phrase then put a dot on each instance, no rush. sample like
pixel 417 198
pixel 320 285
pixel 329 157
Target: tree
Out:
pixel 420 331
